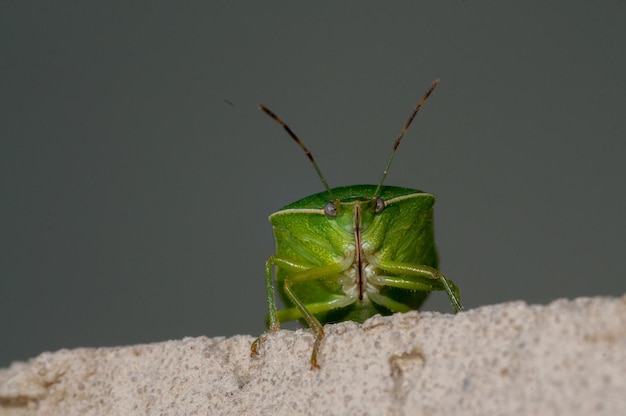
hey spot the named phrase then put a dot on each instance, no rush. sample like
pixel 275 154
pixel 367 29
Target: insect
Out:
pixel 351 252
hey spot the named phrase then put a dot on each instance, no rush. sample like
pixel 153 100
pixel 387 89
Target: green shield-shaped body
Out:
pixel 351 252
pixel 358 255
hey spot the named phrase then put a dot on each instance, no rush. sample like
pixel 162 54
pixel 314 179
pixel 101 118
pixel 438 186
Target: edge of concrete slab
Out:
pixel 568 357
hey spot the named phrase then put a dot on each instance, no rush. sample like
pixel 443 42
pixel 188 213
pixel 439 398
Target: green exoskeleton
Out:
pixel 349 253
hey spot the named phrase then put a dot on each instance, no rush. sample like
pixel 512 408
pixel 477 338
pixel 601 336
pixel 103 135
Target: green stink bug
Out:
pixel 351 252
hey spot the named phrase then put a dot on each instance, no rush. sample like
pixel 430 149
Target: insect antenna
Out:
pixel 404 129
pixel 302 146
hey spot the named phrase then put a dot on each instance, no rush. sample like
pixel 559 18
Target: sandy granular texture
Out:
pixel 568 357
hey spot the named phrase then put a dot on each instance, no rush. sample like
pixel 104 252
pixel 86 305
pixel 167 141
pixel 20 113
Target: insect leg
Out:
pixel 291 314
pixel 387 302
pixel 274 323
pixel 418 277
pixel 303 276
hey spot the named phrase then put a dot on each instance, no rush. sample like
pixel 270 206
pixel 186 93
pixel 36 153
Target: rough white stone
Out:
pixel 568 357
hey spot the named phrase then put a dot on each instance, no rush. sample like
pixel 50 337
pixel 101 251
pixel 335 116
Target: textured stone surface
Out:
pixel 568 357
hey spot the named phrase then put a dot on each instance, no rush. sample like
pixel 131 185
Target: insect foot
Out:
pixel 254 348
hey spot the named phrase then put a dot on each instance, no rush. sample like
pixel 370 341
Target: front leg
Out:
pixel 319 272
pixel 300 274
pixel 274 323
pixel 418 277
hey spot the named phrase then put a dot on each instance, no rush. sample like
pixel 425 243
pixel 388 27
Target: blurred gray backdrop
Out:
pixel 136 173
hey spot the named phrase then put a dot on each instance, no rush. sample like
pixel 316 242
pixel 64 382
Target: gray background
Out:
pixel 134 196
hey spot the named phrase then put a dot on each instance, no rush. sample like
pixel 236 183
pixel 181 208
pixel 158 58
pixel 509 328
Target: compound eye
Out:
pixel 380 205
pixel 330 210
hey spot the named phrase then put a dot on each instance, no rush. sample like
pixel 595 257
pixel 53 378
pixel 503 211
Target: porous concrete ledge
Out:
pixel 566 358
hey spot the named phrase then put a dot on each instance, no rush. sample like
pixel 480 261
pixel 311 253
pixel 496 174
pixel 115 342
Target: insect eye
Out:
pixel 380 205
pixel 330 210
